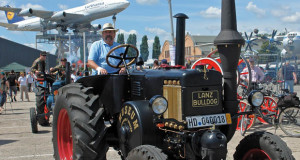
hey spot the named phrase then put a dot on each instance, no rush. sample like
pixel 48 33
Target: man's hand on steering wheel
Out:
pixel 101 71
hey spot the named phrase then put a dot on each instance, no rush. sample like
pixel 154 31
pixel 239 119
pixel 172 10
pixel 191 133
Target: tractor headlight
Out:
pixel 256 98
pixel 159 104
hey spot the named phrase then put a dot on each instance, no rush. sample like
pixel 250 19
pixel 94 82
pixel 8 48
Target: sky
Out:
pixel 152 18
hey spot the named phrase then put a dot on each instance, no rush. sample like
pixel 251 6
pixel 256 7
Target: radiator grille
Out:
pixel 173 94
pixel 136 89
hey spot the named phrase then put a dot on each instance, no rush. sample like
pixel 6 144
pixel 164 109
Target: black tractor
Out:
pixel 170 113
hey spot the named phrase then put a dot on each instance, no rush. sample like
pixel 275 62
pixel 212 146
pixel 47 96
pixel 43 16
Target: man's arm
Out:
pixel 34 67
pixel 295 77
pixel 99 69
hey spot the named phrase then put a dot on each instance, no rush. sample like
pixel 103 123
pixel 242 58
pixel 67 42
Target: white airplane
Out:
pixel 78 19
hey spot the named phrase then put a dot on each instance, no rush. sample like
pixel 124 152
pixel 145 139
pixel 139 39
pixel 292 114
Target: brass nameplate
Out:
pixel 205 98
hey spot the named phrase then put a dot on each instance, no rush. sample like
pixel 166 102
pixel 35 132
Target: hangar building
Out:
pixel 11 52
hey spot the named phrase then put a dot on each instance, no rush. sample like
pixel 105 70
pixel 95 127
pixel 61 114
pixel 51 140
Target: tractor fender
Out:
pixel 136 127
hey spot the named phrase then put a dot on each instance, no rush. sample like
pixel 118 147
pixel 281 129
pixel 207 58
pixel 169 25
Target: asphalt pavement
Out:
pixel 17 142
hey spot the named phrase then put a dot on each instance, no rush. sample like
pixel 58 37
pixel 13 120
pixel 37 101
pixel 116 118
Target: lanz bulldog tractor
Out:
pixel 170 113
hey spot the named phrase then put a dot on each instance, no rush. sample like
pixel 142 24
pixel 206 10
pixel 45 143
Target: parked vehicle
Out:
pixel 45 98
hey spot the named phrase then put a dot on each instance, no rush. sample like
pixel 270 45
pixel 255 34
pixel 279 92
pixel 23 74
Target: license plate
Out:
pixel 208 120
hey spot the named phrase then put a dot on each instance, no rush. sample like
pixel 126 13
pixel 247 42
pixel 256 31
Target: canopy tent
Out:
pixel 14 66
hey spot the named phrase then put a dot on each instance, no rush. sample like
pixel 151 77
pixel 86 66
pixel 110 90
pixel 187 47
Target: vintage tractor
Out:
pixel 46 89
pixel 171 113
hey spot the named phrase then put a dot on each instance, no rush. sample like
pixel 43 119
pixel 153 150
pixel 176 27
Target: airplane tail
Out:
pixel 12 16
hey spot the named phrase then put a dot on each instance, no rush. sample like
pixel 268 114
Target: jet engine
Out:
pixel 26 12
pixel 59 15
pixel 96 27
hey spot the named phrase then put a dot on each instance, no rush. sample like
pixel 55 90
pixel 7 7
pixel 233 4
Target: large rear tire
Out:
pixel 78 125
pixel 40 106
pixel 262 146
pixel 146 152
pixel 33 121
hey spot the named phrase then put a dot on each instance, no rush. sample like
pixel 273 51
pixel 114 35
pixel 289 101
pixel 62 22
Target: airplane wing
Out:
pixel 7 9
pixel 65 16
pixel 7 25
pixel 41 13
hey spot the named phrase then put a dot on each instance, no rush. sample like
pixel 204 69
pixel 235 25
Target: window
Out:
pixel 167 54
pixel 188 51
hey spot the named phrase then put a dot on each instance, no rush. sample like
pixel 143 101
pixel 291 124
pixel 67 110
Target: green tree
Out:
pixel 131 40
pixel 156 48
pixel 267 48
pixel 144 49
pixel 120 38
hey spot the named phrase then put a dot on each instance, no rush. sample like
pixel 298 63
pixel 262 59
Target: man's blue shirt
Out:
pixel 98 52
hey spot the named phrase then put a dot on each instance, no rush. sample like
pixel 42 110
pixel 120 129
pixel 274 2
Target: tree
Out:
pixel 267 48
pixel 120 38
pixel 144 49
pixel 131 40
pixel 156 48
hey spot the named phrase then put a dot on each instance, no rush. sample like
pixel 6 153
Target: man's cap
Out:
pixel 164 61
pixel 109 27
pixel 12 71
pixel 63 59
pixel 44 53
pixel 2 73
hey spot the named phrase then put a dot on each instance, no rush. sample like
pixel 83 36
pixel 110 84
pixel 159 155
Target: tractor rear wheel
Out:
pixel 262 146
pixel 145 152
pixel 40 106
pixel 78 125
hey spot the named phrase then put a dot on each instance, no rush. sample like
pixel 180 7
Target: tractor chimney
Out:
pixel 229 43
pixel 180 38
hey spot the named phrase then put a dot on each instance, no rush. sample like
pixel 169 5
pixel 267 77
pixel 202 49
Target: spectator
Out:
pixel 12 80
pixel 30 80
pixel 23 86
pixel 256 73
pixel 155 64
pixel 3 90
pixel 99 50
pixel 289 75
pixel 188 64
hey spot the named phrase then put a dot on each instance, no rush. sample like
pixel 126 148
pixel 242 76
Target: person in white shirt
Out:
pixel 256 73
pixel 23 86
pixel 30 80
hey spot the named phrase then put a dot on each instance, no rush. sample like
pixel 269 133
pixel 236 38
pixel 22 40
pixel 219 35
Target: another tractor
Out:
pixel 171 113
pixel 45 93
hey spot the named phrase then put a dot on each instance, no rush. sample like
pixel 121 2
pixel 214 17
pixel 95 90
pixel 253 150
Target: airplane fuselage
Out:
pixel 90 12
pixel 291 42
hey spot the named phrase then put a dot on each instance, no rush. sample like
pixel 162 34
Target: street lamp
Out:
pixel 114 18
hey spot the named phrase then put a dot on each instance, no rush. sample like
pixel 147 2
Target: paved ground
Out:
pixel 17 142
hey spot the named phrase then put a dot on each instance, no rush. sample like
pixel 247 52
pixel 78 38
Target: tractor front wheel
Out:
pixel 78 125
pixel 145 152
pixel 262 146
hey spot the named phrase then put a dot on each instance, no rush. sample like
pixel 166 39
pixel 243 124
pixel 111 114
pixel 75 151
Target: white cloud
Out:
pixel 126 34
pixel 33 6
pixel 211 12
pixel 253 8
pixel 292 18
pixel 147 2
pixel 282 11
pixel 63 6
pixel 2 17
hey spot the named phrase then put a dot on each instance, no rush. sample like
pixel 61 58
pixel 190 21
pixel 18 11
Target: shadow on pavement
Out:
pixel 3 142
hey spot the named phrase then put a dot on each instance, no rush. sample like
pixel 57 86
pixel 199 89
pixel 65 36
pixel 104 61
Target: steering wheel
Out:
pixel 123 56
